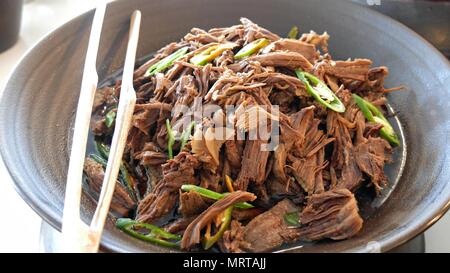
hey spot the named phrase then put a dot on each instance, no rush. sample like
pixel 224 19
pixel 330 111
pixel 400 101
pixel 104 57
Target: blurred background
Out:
pixel 21 27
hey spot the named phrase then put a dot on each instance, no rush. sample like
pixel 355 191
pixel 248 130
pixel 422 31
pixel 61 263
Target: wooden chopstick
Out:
pixel 74 231
pixel 125 112
pixel 76 235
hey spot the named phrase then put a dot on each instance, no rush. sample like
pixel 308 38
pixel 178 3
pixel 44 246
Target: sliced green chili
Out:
pixel 186 135
pixel 373 114
pixel 252 48
pixel 292 219
pixel 320 91
pixel 293 33
pixel 156 235
pixel 127 180
pixel 166 62
pixel 211 53
pixel 213 195
pixel 225 224
pixel 102 149
pixel 110 117
pixel 171 139
pixel 124 178
pixel 203 192
pixel 99 159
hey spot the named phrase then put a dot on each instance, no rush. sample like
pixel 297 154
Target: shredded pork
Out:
pixel 322 158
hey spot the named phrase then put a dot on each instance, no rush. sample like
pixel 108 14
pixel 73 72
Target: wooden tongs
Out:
pixel 76 235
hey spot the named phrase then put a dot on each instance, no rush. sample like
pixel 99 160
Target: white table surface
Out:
pixel 40 17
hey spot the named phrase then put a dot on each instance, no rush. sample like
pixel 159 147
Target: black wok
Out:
pixel 38 105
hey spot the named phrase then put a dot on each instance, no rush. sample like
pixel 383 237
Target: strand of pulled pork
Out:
pixel 191 236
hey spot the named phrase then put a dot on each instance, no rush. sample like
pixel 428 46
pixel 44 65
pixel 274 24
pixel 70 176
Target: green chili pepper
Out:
pixel 320 91
pixel 211 53
pixel 251 48
pixel 124 178
pixel 102 149
pixel 225 224
pixel 293 33
pixel 373 114
pixel 213 195
pixel 186 134
pixel 156 235
pixel 166 62
pixel 110 117
pixel 171 139
pixel 292 219
pixel 99 159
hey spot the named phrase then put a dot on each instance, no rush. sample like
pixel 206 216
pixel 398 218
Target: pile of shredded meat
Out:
pixel 322 159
